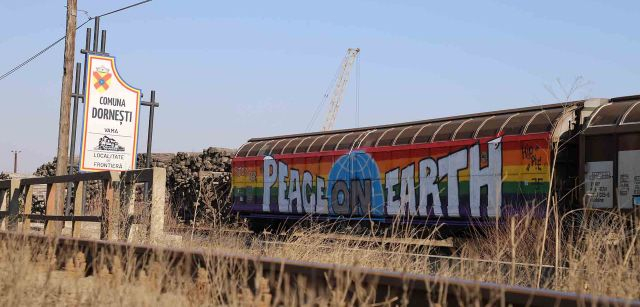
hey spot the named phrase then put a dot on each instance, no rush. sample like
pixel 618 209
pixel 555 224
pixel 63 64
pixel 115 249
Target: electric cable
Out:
pixel 39 53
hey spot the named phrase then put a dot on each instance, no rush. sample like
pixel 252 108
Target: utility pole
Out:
pixel 65 106
pixel 15 160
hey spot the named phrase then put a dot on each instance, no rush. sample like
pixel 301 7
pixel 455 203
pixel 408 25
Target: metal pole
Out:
pixel 87 48
pixel 15 160
pixel 57 208
pixel 149 139
pixel 103 43
pixel 87 42
pixel 96 32
pixel 74 125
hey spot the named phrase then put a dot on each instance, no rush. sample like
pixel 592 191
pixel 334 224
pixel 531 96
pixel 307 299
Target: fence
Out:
pixel 117 212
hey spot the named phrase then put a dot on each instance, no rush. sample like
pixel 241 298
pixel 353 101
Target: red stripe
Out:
pixel 508 140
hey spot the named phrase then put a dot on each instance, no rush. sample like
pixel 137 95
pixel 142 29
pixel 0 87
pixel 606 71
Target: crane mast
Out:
pixel 341 85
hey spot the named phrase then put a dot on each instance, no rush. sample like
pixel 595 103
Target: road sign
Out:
pixel 110 127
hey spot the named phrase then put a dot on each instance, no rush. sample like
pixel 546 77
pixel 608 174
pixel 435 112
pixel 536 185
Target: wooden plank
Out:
pixel 28 205
pixel 50 227
pixel 137 176
pixel 63 218
pixel 68 178
pixel 110 210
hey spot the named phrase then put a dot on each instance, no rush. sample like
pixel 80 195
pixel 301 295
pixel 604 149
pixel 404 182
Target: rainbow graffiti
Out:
pixel 469 178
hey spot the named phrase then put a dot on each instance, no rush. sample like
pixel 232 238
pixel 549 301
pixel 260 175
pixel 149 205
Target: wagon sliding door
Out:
pixel 598 170
pixel 628 170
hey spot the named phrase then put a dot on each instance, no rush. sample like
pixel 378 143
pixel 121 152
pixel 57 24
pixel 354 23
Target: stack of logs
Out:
pixel 197 180
pixel 194 180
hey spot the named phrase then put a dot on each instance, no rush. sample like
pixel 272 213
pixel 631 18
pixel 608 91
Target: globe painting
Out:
pixel 355 167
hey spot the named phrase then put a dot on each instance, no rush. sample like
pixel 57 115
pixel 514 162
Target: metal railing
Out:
pixel 14 192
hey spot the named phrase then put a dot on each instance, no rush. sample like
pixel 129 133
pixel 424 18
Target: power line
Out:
pixel 8 73
pixel 123 8
pixel 39 53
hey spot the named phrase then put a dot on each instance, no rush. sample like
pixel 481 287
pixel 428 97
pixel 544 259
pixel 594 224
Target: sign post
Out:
pixel 101 82
pixel 110 126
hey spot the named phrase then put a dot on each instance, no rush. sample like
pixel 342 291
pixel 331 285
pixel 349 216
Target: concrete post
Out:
pixel 14 204
pixel 158 191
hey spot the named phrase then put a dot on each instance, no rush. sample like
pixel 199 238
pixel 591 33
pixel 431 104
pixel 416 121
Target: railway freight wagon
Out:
pixel 455 171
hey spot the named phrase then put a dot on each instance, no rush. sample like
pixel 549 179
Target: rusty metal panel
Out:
pixel 447 130
pixel 492 126
pixel 610 114
pixel 544 121
pixel 291 146
pixel 517 123
pixel 266 148
pixel 332 142
pixel 425 133
pixel 434 121
pixel 469 128
pixel 279 146
pixel 242 152
pixel 304 144
pixel 371 138
pixel 317 143
pixel 348 141
pixel 406 136
pixel 253 151
pixel 633 115
pixel 389 136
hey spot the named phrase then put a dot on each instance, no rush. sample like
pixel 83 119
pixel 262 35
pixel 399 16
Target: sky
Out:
pixel 227 71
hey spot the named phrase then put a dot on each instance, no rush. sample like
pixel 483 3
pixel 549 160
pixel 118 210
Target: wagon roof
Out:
pixel 519 121
pixel 619 114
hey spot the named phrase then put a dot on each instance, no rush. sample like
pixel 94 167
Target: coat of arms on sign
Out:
pixel 102 77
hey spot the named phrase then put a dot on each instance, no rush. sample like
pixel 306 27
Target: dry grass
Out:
pixel 30 276
pixel 598 253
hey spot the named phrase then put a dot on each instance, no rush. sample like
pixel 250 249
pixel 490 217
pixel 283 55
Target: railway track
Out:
pixel 413 289
pixel 436 252
pixel 330 237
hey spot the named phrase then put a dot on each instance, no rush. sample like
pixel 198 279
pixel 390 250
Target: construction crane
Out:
pixel 341 84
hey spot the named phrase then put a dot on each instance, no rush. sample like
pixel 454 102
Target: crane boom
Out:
pixel 341 85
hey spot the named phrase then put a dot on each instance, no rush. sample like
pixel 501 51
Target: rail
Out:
pixel 415 289
pixel 116 185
